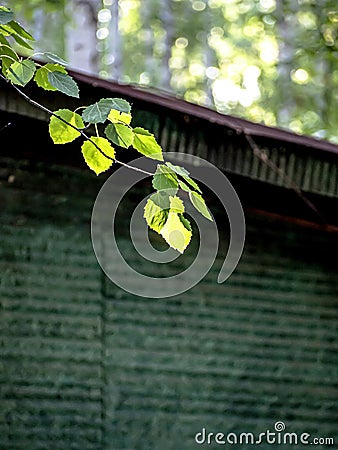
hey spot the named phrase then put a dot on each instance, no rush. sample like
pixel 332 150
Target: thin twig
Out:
pixel 51 113
pixel 137 169
pixel 265 159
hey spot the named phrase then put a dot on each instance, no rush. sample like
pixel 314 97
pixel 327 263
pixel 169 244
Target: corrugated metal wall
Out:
pixel 85 365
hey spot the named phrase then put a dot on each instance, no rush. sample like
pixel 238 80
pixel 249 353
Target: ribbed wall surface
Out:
pixel 85 365
pixel 236 357
pixel 51 346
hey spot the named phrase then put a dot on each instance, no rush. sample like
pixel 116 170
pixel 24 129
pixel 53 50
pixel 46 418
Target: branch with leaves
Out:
pixel 164 210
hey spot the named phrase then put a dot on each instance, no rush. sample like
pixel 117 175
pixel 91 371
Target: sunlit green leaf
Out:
pixel 94 158
pixel 185 222
pixel 6 15
pixel 8 30
pixel 120 134
pixel 41 76
pixel 20 31
pixel 192 183
pixel 21 72
pixel 21 41
pixel 184 186
pixel 117 116
pixel 178 169
pixel 176 205
pixel 59 131
pixel 155 216
pixel 181 171
pixel 7 55
pixel 175 232
pixel 165 178
pixel 63 83
pixel 161 199
pixel 199 203
pixel 145 143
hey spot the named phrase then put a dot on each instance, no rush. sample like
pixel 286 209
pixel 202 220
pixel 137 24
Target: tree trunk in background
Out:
pixel 209 61
pixel 50 32
pixel 114 50
pixel 320 68
pixel 150 67
pixel 81 35
pixel 324 69
pixel 209 57
pixel 168 26
pixel 287 30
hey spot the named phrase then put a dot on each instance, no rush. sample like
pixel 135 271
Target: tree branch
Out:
pixel 88 138
pixel 265 159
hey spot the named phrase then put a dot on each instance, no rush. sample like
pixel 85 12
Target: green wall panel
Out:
pixel 85 365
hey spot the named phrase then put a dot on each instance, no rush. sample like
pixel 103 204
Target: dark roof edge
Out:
pixel 162 99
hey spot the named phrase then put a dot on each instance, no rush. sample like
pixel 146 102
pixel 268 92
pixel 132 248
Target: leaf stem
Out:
pixel 51 113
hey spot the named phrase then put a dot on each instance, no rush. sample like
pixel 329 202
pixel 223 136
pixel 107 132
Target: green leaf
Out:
pixel 21 72
pixel 119 104
pixel 161 199
pixel 55 58
pixel 7 30
pixel 59 131
pixel 7 55
pixel 181 171
pixel 155 216
pixel 192 183
pixel 6 15
pixel 175 232
pixel 96 113
pixel 178 169
pixel 18 33
pixel 176 205
pixel 64 83
pixel 41 76
pixel 99 111
pixel 119 134
pixel 94 158
pixel 199 203
pixel 21 42
pixel 19 30
pixel 145 143
pixel 185 222
pixel 165 178
pixel 117 117
pixel 184 186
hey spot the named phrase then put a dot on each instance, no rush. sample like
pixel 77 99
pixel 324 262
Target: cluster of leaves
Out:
pixel 164 210
pixel 20 71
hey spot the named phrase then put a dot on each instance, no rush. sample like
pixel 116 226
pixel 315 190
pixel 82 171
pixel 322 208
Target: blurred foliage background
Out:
pixel 269 61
